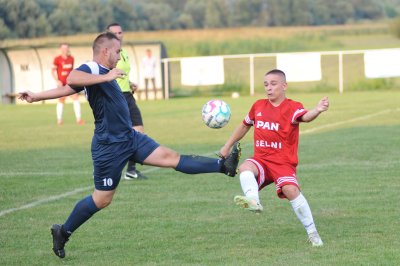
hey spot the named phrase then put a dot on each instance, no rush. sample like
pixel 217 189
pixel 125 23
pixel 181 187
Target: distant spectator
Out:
pixel 149 72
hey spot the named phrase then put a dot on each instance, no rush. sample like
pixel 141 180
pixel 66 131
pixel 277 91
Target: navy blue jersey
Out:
pixel 110 109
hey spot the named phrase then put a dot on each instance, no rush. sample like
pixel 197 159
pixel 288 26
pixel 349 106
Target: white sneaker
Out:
pixel 248 204
pixel 315 239
pixel 130 175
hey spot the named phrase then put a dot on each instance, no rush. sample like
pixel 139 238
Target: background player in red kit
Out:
pixel 62 66
pixel 276 136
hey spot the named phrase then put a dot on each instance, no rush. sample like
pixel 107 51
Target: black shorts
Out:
pixel 136 116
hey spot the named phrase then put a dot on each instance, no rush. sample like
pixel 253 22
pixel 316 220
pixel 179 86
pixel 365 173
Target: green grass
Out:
pixel 202 42
pixel 349 172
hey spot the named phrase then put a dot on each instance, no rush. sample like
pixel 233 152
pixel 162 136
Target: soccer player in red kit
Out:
pixel 276 137
pixel 63 64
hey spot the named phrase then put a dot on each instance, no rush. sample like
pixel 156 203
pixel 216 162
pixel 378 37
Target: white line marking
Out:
pixel 54 198
pixel 78 190
pixel 46 200
pixel 349 121
pixel 14 174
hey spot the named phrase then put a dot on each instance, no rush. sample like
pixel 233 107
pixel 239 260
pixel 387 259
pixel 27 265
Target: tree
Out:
pixel 321 12
pixel 4 30
pixel 157 20
pixel 35 18
pixel 279 12
pixel 124 13
pixel 341 11
pixel 196 11
pixel 367 9
pixel 301 12
pixel 216 14
pixel 24 18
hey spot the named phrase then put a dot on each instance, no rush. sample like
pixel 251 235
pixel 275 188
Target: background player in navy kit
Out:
pixel 114 141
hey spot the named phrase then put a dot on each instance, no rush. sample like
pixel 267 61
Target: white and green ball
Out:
pixel 216 113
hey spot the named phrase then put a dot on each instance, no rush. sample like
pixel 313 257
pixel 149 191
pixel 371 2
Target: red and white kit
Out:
pixel 276 138
pixel 64 66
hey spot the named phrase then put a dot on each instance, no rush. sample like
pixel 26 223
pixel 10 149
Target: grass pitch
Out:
pixel 348 169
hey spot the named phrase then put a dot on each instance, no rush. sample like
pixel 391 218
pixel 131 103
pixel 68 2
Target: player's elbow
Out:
pixel 304 119
pixel 72 80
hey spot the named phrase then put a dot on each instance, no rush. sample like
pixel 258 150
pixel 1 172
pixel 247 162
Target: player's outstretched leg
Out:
pixel 59 240
pixel 231 162
pixel 194 164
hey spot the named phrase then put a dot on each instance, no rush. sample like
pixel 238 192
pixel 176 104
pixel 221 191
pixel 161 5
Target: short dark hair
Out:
pixel 277 71
pixel 112 25
pixel 100 39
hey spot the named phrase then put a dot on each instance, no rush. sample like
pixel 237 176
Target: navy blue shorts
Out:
pixel 110 159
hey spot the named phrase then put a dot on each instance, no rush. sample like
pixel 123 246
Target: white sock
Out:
pixel 77 109
pixel 59 108
pixel 249 185
pixel 303 212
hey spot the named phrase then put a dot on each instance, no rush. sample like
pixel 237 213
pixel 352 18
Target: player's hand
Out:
pixel 224 152
pixel 133 87
pixel 115 73
pixel 323 105
pixel 27 96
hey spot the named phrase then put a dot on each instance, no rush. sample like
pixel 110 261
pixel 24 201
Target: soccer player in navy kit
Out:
pixel 114 141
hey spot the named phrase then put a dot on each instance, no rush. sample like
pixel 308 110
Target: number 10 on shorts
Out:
pixel 107 182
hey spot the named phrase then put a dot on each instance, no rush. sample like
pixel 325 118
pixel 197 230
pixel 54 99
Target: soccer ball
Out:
pixel 216 113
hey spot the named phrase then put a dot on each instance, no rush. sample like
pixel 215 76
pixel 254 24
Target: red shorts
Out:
pixel 280 174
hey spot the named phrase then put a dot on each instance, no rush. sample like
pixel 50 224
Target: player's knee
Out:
pixel 168 155
pixel 102 203
pixel 102 199
pixel 290 191
pixel 163 157
pixel 243 168
pixel 246 166
pixel 172 157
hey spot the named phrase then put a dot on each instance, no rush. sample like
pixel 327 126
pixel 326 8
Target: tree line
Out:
pixel 38 18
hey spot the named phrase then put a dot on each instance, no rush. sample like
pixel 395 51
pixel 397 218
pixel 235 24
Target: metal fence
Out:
pixel 341 71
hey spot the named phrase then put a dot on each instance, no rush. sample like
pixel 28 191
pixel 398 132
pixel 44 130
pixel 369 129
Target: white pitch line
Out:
pixel 78 190
pixel 46 200
pixel 349 121
pixel 54 198
pixel 15 174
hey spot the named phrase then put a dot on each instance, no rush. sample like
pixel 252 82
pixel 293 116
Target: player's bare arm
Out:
pixel 322 106
pixel 79 78
pixel 55 76
pixel 133 86
pixel 58 92
pixel 237 135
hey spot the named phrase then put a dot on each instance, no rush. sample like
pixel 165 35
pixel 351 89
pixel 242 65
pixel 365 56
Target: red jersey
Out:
pixel 64 66
pixel 276 130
